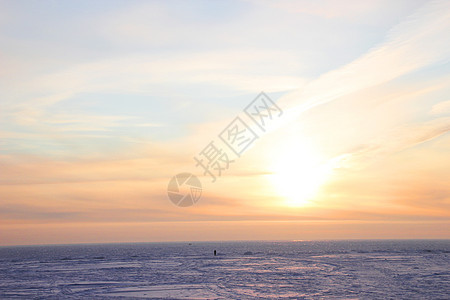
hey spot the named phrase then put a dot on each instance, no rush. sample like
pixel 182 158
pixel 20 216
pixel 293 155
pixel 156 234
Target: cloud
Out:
pixel 365 116
pixel 382 121
pixel 396 140
pixel 328 8
pixel 441 108
pixel 420 41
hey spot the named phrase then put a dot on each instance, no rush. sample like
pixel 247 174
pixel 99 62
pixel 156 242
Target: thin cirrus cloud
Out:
pixel 366 115
pixel 88 138
pixel 441 108
pixel 413 44
pixel 417 43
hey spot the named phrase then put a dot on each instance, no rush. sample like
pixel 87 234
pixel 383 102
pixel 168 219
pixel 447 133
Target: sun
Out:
pixel 298 172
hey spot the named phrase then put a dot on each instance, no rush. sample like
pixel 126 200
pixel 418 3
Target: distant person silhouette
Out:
pixel 215 252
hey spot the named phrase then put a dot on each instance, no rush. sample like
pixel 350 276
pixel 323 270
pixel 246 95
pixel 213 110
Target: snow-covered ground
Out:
pixel 241 270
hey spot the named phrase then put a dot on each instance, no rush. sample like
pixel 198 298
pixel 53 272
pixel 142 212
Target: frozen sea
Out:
pixel 408 269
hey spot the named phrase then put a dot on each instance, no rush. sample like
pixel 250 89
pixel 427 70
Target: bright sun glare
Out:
pixel 299 172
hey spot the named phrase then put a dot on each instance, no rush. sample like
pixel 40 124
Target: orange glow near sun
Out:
pixel 298 172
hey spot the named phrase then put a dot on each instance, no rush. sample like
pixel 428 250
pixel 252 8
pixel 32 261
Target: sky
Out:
pixel 103 102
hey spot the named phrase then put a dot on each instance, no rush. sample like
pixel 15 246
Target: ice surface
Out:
pixel 241 270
